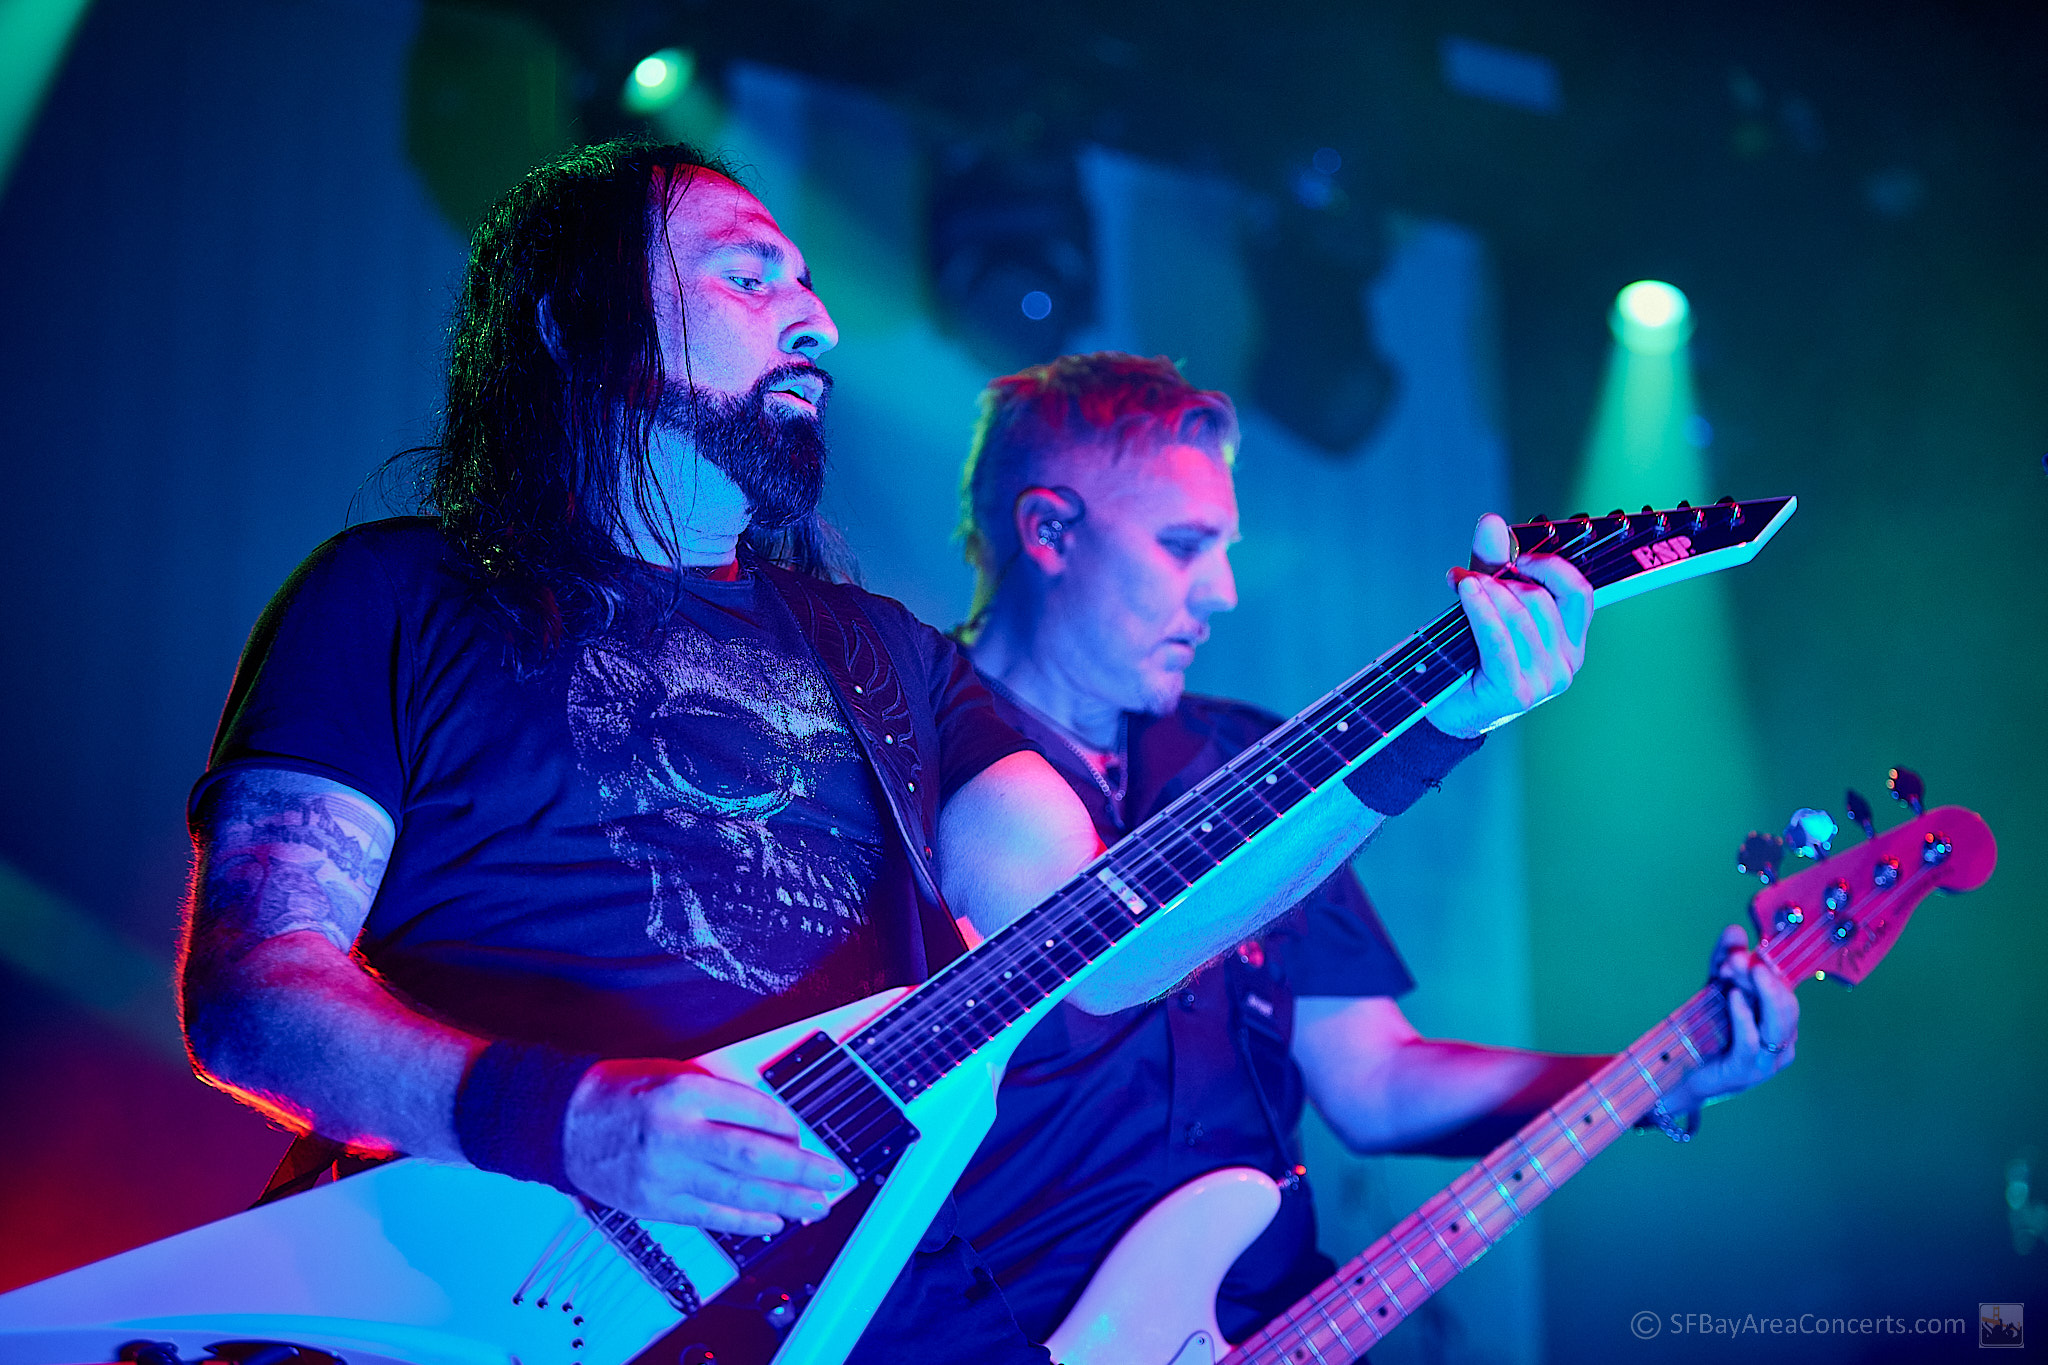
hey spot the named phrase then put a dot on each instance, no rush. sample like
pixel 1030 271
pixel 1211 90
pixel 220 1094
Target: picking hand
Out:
pixel 662 1141
pixel 1530 627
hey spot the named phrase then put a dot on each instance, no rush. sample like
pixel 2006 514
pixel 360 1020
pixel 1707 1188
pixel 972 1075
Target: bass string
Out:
pixel 1428 1254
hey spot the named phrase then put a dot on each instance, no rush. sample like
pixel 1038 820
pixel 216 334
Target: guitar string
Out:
pixel 1168 842
pixel 1380 683
pixel 854 1089
pixel 1070 914
pixel 1698 1014
pixel 1160 845
pixel 895 1055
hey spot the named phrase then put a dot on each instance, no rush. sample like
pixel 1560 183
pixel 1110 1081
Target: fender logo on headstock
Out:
pixel 1663 552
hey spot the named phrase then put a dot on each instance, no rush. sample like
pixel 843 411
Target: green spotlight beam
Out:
pixel 1650 764
pixel 34 35
pixel 45 937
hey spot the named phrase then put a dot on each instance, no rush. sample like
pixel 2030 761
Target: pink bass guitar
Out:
pixel 1153 1301
pixel 445 1265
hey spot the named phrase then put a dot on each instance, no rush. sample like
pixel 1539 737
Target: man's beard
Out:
pixel 778 462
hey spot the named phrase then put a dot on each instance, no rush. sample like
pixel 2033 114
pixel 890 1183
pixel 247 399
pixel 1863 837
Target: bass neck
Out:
pixel 1833 921
pixel 1366 1299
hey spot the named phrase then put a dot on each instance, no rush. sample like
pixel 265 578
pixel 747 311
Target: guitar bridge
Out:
pixel 659 1268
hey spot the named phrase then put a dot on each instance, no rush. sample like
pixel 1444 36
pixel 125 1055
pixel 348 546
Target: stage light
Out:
pixel 1317 366
pixel 657 80
pixel 1011 252
pixel 34 35
pixel 1651 317
pixel 1670 664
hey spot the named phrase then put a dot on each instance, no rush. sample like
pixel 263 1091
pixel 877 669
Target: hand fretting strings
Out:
pixel 1367 1298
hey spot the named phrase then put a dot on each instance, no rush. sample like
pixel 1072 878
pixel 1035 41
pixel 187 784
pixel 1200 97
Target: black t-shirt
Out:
pixel 1102 1116
pixel 662 839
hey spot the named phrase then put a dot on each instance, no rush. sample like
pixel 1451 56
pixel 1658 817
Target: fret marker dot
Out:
pixel 1207 827
pixel 1421 668
pixel 1008 975
pixel 970 1004
pixel 1048 943
pixel 1342 726
pixel 1271 778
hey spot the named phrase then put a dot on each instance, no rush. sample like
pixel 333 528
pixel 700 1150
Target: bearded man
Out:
pixel 1098 512
pixel 518 807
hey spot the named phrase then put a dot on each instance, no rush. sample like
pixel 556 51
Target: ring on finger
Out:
pixel 1771 1047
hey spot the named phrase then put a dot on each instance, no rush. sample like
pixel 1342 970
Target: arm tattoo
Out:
pixel 282 855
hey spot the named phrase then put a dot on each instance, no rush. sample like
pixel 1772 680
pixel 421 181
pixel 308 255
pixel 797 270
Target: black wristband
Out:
pixel 510 1108
pixel 1395 778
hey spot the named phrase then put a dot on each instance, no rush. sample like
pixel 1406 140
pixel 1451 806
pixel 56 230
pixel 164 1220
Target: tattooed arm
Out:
pixel 280 1013
pixel 276 1009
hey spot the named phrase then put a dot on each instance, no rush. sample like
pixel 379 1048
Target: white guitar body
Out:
pixel 432 1264
pixel 1153 1299
pixel 428 1264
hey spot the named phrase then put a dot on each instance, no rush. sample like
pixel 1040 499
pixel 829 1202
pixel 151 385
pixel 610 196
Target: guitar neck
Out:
pixel 1366 1299
pixel 1019 972
pixel 1039 958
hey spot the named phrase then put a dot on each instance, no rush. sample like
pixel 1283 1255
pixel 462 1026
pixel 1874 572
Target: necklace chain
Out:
pixel 1117 759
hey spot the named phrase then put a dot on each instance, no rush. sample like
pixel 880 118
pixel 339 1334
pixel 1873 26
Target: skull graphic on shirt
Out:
pixel 698 747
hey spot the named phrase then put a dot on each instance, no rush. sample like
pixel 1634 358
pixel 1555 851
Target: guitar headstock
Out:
pixel 1626 553
pixel 1840 917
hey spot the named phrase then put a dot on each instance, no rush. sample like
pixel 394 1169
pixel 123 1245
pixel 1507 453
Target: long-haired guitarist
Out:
pixel 517 807
pixel 1098 513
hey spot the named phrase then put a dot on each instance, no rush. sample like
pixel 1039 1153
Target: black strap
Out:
pixel 844 638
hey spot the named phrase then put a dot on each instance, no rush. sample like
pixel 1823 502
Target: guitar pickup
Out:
pixel 854 1117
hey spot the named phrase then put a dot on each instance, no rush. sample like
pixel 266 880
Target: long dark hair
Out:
pixel 541 434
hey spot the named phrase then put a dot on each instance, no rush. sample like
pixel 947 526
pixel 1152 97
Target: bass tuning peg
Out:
pixel 1760 855
pixel 1859 811
pixel 1906 786
pixel 1811 831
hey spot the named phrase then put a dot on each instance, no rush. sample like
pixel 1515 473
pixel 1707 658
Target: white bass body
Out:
pixel 1153 1299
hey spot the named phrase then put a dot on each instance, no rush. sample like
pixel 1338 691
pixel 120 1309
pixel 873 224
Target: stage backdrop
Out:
pixel 225 290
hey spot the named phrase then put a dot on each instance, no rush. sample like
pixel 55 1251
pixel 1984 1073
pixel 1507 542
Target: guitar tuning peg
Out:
pixel 1906 786
pixel 1859 811
pixel 1811 832
pixel 1760 855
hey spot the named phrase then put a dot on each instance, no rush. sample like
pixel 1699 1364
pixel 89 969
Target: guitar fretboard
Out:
pixel 980 995
pixel 964 1007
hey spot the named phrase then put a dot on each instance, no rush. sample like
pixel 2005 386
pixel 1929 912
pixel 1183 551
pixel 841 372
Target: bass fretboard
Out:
pixel 1349 1313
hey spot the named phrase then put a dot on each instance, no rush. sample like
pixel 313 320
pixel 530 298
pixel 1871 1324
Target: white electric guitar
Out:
pixel 445 1265
pixel 1153 1299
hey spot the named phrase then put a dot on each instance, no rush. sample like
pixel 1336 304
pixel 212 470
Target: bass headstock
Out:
pixel 1838 918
